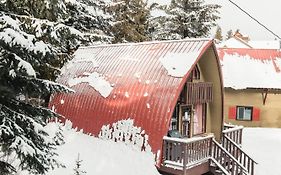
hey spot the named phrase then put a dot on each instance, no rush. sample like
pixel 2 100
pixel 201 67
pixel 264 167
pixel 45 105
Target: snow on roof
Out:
pixel 182 65
pixel 236 42
pixel 95 80
pixel 251 68
pixel 265 44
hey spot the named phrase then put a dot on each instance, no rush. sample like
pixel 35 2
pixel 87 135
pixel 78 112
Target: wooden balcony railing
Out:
pixel 183 153
pixel 201 92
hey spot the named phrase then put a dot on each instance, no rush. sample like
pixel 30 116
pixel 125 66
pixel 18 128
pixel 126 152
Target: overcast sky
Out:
pixel 267 12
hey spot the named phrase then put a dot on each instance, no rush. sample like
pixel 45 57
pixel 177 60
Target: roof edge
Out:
pixel 146 42
pixel 255 88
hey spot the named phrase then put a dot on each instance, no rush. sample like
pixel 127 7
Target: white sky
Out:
pixel 267 12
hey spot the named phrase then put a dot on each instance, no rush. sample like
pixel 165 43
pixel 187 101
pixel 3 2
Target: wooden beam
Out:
pixel 264 96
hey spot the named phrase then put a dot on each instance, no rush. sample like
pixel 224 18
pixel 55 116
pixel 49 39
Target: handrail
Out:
pixel 216 148
pixel 232 129
pixel 234 133
pixel 238 147
pixel 239 154
pixel 189 140
pixel 219 166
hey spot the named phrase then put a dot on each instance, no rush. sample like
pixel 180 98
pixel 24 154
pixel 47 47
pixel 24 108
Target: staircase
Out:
pixel 228 157
pixel 200 155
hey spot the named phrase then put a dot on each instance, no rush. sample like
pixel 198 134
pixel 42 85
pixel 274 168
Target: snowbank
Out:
pixel 263 145
pixel 100 157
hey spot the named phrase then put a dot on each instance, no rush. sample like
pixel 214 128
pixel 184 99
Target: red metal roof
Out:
pixel 87 109
pixel 264 67
pixel 259 54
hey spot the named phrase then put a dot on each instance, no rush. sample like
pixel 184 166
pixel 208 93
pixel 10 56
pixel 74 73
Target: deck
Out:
pixel 204 154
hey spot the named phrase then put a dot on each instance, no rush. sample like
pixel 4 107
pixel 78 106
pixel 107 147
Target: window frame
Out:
pixel 243 119
pixel 196 73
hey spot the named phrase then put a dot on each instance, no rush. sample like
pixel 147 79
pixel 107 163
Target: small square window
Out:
pixel 244 113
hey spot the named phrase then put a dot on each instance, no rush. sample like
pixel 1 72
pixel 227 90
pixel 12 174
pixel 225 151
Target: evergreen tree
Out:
pixel 36 38
pixel 218 34
pixel 229 34
pixel 185 18
pixel 22 124
pixel 129 20
pixel 158 23
pixel 74 23
pixel 77 169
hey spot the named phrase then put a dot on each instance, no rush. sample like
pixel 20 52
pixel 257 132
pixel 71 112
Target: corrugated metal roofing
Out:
pixel 142 90
pixel 251 68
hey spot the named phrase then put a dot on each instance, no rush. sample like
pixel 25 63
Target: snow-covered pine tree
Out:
pixel 62 25
pixel 24 143
pixel 158 23
pixel 129 20
pixel 184 18
pixel 229 34
pixel 77 169
pixel 36 38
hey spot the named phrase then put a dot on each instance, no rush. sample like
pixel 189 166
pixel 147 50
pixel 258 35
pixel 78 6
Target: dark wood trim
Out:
pixel 195 170
pixel 264 96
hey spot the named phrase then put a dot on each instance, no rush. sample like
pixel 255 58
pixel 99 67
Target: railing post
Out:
pixel 183 145
pixel 211 147
pixel 164 152
pixel 252 168
pixel 241 134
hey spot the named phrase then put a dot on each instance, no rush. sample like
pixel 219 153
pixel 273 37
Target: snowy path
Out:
pixel 264 145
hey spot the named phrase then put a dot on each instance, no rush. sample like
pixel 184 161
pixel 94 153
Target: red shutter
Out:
pixel 232 112
pixel 256 114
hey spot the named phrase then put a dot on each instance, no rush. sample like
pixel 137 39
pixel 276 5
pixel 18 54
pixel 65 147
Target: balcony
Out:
pixel 198 93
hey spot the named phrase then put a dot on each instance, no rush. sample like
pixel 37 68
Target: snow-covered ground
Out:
pixel 105 157
pixel 264 145
pixel 100 157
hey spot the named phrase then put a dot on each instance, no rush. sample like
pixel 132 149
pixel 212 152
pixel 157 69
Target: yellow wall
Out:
pixel 209 69
pixel 270 113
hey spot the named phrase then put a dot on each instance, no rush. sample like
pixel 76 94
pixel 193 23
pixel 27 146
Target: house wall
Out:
pixel 270 113
pixel 210 72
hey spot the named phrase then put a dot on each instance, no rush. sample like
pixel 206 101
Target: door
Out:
pixel 199 119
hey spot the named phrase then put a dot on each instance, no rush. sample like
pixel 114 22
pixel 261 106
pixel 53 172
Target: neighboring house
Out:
pixel 141 92
pixel 252 81
pixel 240 41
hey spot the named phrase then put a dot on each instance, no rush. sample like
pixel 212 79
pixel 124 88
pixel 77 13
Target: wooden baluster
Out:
pixel 184 156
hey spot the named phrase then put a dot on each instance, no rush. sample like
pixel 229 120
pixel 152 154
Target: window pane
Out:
pixel 240 113
pixel 247 114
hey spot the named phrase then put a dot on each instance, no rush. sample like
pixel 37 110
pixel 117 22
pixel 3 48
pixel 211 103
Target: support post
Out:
pixel 264 96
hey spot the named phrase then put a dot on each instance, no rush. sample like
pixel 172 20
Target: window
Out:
pixel 196 73
pixel 244 113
